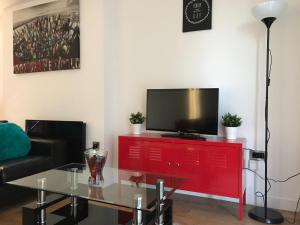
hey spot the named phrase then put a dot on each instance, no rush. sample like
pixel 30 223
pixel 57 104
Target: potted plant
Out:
pixel 231 123
pixel 136 119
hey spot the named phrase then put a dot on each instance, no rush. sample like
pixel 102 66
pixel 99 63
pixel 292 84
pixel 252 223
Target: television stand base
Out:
pixel 184 136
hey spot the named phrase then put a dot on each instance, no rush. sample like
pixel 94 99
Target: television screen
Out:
pixel 183 110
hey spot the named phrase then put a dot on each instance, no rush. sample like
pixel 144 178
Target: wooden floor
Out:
pixel 187 211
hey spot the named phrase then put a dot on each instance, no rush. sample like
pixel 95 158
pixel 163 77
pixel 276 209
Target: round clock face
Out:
pixel 197 11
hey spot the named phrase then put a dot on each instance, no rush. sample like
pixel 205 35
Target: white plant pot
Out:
pixel 136 128
pixel 231 133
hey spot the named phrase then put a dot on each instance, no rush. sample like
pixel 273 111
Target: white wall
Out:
pixel 147 49
pixel 4 4
pixel 128 46
pixel 62 95
pixel 1 76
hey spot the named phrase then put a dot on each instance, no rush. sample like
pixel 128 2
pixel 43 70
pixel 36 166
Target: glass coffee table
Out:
pixel 123 197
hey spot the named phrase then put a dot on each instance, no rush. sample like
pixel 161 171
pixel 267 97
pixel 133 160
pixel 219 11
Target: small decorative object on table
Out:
pixel 136 119
pixel 96 159
pixel 137 178
pixel 231 123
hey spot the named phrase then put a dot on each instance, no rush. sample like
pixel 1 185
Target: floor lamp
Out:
pixel 267 12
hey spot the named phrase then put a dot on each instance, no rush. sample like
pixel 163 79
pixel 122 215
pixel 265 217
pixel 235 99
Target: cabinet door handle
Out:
pixel 177 164
pixel 169 163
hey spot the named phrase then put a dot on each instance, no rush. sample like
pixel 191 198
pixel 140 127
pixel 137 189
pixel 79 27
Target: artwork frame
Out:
pixel 197 15
pixel 46 37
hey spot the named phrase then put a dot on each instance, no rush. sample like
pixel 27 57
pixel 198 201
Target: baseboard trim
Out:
pixel 274 202
pixel 235 200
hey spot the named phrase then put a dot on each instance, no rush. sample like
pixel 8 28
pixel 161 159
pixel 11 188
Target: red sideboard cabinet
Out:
pixel 214 166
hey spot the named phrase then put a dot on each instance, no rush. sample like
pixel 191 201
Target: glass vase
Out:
pixel 95 159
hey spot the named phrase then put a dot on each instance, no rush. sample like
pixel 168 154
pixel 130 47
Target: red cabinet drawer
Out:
pixel 156 158
pixel 132 154
pixel 186 162
pixel 221 171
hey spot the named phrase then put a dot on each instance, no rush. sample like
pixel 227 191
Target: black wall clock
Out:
pixel 197 15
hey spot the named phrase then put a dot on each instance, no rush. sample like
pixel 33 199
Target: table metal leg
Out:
pixel 41 200
pixel 137 213
pixel 74 187
pixel 159 198
pixel 74 204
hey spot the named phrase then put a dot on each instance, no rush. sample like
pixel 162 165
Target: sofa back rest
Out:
pixel 73 132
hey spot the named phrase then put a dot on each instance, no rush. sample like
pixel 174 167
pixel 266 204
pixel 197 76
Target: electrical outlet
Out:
pixel 257 155
pixel 96 145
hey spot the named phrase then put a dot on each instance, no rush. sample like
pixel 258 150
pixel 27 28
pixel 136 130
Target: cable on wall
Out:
pixel 258 193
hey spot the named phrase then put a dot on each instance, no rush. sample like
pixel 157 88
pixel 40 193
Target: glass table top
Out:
pixel 119 187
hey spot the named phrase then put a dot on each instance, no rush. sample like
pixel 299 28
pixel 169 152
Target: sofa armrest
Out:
pixel 17 168
pixel 54 148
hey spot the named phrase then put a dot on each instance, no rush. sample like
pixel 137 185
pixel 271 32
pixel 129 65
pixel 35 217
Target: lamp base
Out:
pixel 272 217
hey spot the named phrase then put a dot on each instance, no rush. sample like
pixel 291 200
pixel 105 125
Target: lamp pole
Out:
pixel 268 22
pixel 267 12
pixel 267 120
pixel 265 214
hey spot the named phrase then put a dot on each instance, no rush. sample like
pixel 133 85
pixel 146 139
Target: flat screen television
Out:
pixel 183 110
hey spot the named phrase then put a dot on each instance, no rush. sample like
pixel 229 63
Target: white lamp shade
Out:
pixel 269 8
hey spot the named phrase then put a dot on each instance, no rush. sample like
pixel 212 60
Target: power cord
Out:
pixel 251 150
pixel 283 181
pixel 258 193
pixel 261 195
pixel 271 64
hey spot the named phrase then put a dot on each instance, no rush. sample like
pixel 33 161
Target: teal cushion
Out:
pixel 14 142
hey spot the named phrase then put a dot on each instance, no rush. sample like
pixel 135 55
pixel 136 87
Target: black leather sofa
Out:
pixel 45 154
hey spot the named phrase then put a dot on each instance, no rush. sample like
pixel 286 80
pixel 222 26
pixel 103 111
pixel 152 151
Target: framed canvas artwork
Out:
pixel 46 37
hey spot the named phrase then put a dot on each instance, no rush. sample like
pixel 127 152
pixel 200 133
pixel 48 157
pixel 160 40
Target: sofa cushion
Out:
pixel 14 142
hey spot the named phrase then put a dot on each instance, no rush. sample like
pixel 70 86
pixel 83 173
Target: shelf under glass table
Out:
pixel 119 187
